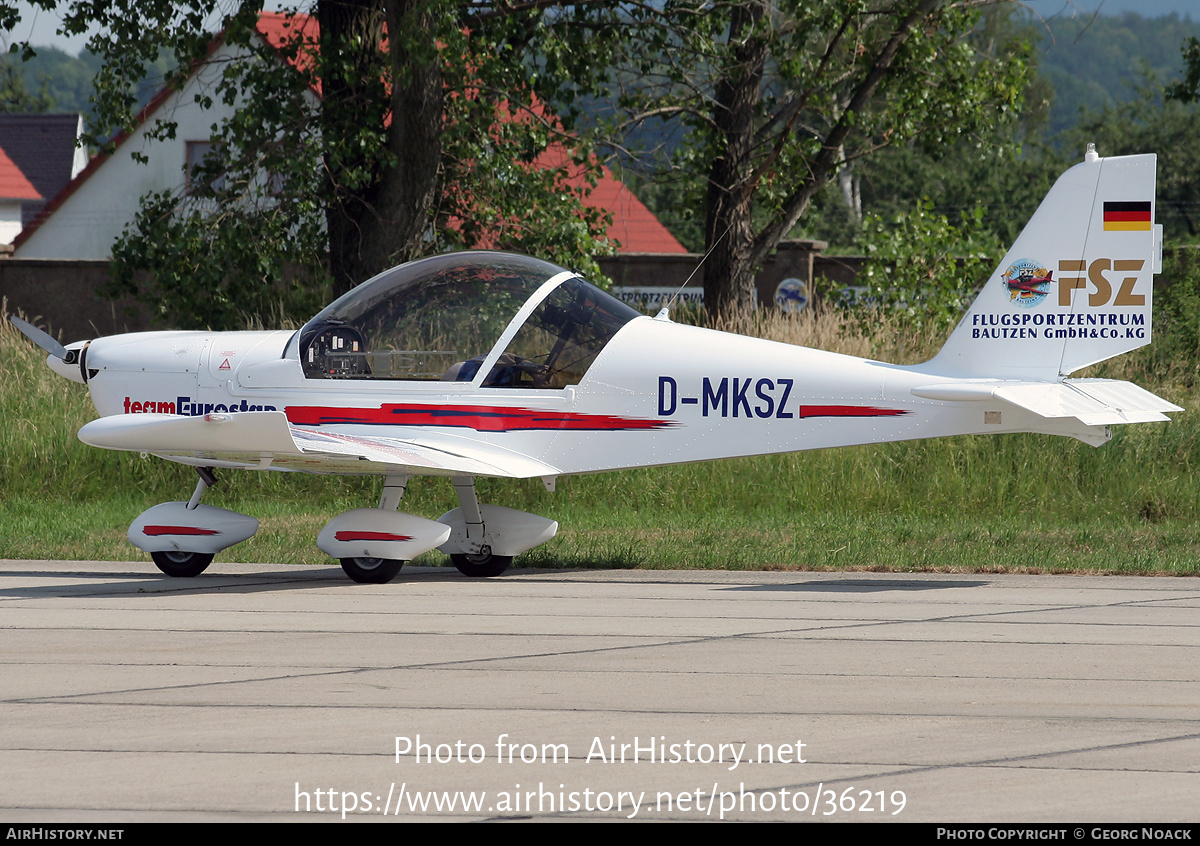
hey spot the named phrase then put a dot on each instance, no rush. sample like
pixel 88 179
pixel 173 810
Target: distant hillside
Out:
pixel 1086 8
pixel 1094 62
pixel 66 79
pixel 1089 61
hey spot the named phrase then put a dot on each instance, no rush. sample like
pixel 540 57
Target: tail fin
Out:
pixel 1075 288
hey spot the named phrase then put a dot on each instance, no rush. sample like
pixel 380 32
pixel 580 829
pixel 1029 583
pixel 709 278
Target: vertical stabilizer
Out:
pixel 1075 288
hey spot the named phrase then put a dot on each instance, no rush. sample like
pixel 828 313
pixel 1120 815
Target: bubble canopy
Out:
pixel 523 322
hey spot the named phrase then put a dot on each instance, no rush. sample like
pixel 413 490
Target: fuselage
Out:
pixel 658 393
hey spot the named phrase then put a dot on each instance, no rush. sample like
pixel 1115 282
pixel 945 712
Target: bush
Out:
pixel 1174 356
pixel 922 271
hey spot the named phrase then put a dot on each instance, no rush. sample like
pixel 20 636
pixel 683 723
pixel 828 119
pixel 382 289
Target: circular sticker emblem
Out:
pixel 791 295
pixel 1027 282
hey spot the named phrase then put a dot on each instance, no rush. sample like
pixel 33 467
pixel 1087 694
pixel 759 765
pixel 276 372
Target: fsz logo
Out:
pixel 1104 288
pixel 1028 282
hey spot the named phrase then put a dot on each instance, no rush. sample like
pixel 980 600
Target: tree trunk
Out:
pixel 851 187
pixel 380 209
pixel 729 236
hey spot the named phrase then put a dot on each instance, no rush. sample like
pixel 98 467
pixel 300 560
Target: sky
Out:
pixel 39 28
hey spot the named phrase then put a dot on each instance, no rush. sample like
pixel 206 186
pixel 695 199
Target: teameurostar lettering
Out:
pixel 186 406
pixel 1039 325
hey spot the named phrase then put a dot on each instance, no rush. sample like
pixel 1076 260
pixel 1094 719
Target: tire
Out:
pixel 182 565
pixel 483 566
pixel 372 571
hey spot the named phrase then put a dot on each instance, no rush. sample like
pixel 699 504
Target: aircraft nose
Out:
pixel 71 364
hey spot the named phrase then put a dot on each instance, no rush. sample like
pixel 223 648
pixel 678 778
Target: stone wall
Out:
pixel 61 297
pixel 793 260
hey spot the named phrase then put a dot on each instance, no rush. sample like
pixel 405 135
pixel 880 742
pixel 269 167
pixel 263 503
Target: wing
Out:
pixel 259 440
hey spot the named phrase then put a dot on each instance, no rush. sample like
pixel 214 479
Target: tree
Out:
pixel 64 82
pixel 780 97
pixel 427 134
pixel 15 95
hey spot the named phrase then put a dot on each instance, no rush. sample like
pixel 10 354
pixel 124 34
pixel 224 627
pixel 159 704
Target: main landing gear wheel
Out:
pixel 182 565
pixel 484 565
pixel 372 571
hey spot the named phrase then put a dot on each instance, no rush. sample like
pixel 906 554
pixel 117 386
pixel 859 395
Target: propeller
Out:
pixel 43 340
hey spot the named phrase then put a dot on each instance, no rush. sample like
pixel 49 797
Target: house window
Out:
pixel 203 171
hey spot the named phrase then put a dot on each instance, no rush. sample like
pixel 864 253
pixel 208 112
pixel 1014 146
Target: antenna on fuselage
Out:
pixel 664 312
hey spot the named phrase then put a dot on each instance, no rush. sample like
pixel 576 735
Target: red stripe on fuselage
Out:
pixel 849 411
pixel 481 418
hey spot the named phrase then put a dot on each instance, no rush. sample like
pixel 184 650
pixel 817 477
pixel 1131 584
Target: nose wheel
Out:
pixel 371 571
pixel 182 565
pixel 183 537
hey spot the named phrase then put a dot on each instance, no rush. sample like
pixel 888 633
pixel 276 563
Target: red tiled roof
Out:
pixel 279 30
pixel 13 184
pixel 634 226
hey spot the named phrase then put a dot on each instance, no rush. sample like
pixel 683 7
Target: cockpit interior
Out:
pixel 517 321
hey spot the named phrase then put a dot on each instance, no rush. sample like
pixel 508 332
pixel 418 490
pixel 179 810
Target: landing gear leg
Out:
pixel 394 486
pixel 480 562
pixel 207 479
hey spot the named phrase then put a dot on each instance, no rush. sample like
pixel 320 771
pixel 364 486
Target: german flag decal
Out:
pixel 1127 217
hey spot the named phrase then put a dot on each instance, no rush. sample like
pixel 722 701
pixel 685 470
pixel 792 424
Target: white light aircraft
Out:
pixel 482 364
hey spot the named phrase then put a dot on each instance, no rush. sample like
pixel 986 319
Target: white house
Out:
pixel 85 218
pixel 48 149
pixel 15 190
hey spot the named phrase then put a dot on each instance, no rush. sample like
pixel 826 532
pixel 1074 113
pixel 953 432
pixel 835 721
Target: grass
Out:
pixel 1009 503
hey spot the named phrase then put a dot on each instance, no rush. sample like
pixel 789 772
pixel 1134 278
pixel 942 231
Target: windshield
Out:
pixel 438 319
pixel 563 336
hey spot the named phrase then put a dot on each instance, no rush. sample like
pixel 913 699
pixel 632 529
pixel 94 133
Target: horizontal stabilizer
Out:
pixel 1094 402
